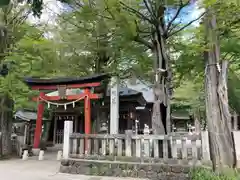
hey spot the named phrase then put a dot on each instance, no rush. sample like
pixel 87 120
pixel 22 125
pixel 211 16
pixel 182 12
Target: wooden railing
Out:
pixel 154 146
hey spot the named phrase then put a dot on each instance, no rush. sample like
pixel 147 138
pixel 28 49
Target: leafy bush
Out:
pixel 205 174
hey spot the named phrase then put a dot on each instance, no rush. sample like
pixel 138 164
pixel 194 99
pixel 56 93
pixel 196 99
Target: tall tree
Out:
pixel 217 109
pixel 18 57
pixel 146 24
pixel 11 19
pixel 220 49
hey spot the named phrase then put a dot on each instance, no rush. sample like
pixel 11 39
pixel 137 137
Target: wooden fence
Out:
pixel 59 137
pixel 129 145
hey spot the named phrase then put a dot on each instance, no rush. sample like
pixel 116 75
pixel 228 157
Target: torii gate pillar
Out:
pixel 38 130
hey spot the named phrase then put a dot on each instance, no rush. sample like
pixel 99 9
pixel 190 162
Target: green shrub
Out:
pixel 206 174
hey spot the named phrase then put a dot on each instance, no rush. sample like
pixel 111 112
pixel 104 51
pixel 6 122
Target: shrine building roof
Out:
pixel 124 91
pixel 32 81
pixel 26 115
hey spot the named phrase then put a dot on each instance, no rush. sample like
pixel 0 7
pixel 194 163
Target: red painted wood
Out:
pixel 69 97
pixel 38 129
pixel 90 95
pixel 54 87
pixel 87 116
pixel 87 111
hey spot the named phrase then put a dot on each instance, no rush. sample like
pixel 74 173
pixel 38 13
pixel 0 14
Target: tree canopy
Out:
pixel 87 31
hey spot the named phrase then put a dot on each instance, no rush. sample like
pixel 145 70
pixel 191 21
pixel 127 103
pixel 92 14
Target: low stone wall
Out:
pixel 155 171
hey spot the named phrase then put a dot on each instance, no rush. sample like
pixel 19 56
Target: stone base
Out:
pixel 35 151
pixel 126 169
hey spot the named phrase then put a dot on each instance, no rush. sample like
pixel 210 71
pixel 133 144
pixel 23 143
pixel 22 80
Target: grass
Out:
pixel 206 174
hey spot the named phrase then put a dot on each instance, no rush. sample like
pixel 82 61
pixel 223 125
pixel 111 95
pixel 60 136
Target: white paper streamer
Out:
pixel 62 104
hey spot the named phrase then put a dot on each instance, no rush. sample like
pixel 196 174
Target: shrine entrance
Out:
pixel 65 101
pixel 56 131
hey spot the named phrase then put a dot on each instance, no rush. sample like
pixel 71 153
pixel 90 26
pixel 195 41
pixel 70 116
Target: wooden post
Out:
pixel 25 133
pixel 38 129
pixel 138 147
pixel 119 146
pixel 174 149
pixel 129 123
pixel 146 142
pixel 55 130
pixel 128 143
pixel 87 118
pixel 75 123
pixel 205 146
pixel 87 112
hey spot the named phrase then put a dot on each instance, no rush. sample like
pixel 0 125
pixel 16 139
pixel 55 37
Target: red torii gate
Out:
pixel 62 84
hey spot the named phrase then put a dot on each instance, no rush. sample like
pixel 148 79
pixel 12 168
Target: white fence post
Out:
pixel 236 135
pixel 205 146
pixel 68 129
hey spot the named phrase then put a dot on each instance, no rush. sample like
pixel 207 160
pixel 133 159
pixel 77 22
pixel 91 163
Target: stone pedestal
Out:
pixel 41 155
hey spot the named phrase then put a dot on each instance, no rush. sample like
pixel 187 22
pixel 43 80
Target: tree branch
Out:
pixel 173 27
pixel 142 31
pixel 143 42
pixel 108 10
pixel 188 24
pixel 149 8
pixel 137 13
pixel 177 14
pixel 76 10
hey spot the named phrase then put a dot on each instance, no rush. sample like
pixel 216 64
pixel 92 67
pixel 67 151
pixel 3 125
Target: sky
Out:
pixel 186 15
pixel 52 8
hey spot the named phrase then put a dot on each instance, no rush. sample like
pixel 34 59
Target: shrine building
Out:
pixel 88 102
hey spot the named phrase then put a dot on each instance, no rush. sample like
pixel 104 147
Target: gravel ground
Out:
pixel 32 169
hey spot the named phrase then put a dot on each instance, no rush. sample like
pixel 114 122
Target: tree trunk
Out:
pixel 161 111
pixel 6 125
pixel 217 110
pixel 159 93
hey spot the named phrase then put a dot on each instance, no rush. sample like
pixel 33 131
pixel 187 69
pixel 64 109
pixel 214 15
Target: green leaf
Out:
pixel 4 2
